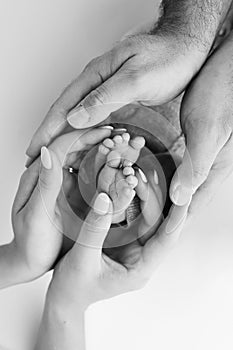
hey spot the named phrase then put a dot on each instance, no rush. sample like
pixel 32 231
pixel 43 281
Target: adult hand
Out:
pixel 149 68
pixel 207 122
pixel 87 273
pixel 37 215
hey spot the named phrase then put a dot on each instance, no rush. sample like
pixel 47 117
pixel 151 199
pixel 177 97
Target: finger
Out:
pixel 151 210
pixel 114 93
pixel 219 172
pixel 161 243
pixel 44 197
pixel 78 140
pixel 27 184
pixel 97 71
pixel 205 139
pixel 88 248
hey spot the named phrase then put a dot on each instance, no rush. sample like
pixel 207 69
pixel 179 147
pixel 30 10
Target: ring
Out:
pixel 72 170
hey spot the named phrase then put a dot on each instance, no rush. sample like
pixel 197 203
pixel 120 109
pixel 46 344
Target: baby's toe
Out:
pixel 126 137
pixel 132 180
pixel 128 171
pixel 117 139
pixel 108 143
pixel 127 163
pixel 103 150
pixel 114 159
pixel 138 142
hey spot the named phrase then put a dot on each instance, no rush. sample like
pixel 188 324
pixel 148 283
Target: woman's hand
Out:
pixel 37 215
pixel 207 122
pixel 87 274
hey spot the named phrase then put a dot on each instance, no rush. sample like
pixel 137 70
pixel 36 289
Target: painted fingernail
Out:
pixel 28 162
pixel 181 195
pixel 108 127
pixel 143 176
pixel 101 204
pixel 156 178
pixel 78 117
pixel 46 158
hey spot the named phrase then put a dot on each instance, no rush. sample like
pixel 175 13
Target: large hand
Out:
pixel 207 121
pixel 37 216
pixel 144 67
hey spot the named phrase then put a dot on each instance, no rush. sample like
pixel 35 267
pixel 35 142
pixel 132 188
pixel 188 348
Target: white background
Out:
pixel 189 303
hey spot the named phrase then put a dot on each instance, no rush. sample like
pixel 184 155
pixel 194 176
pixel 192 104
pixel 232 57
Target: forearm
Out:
pixel 196 22
pixel 61 328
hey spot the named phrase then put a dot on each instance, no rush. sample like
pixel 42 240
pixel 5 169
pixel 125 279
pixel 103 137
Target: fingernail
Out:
pixel 156 178
pixel 46 158
pixel 78 117
pixel 120 130
pixel 143 176
pixel 181 195
pixel 101 205
pixel 108 127
pixel 28 162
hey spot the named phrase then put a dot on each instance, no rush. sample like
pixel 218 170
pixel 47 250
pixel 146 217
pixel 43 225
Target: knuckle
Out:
pixel 200 174
pixel 96 97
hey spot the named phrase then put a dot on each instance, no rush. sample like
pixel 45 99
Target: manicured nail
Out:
pixel 108 127
pixel 143 176
pixel 101 205
pixel 156 178
pixel 28 162
pixel 181 195
pixel 46 158
pixel 78 117
pixel 120 130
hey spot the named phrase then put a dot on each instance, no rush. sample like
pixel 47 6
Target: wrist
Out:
pixel 12 268
pixel 61 327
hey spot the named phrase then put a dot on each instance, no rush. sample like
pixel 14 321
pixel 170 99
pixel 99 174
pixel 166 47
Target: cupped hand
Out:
pixel 150 68
pixel 37 214
pixel 89 273
pixel 207 122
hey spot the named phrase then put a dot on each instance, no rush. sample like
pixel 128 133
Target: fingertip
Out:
pixel 180 195
pixel 101 205
pixel 46 158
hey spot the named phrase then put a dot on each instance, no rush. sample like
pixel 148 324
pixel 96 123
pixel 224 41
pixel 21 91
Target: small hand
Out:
pixel 87 274
pixel 37 215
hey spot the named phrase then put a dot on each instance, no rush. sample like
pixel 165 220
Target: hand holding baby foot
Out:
pixel 37 216
pixel 117 176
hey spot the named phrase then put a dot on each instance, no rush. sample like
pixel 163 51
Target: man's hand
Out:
pixel 207 121
pixel 148 68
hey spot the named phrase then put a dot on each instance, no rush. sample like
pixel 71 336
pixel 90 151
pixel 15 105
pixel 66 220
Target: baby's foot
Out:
pixel 117 178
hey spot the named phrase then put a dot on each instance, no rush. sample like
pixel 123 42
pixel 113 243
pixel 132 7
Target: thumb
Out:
pixel 200 154
pixel 94 231
pixel 114 93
